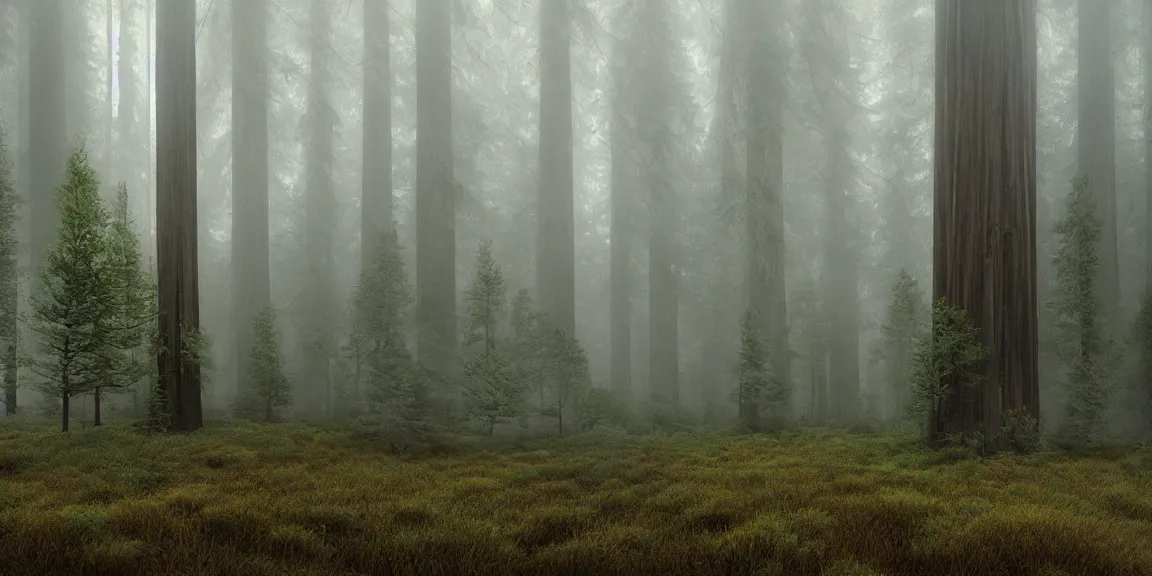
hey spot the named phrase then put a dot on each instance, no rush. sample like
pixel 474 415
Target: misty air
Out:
pixel 575 287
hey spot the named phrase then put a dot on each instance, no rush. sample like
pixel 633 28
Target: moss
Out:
pixel 293 499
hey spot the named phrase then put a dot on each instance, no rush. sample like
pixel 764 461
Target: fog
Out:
pixel 649 172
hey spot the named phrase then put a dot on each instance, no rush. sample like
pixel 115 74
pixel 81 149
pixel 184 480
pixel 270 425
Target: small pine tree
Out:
pixel 565 368
pixel 949 348
pixel 1141 339
pixel 9 277
pixel 526 346
pixel 135 300
pixel 811 325
pixel 484 301
pixel 396 398
pixel 266 377
pixel 395 391
pixel 758 391
pixel 1091 359
pixel 599 406
pixel 379 312
pixel 492 391
pixel 904 324
pixel 74 313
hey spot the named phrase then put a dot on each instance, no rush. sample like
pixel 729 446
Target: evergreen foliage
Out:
pixel 493 390
pixel 135 297
pixel 380 307
pixel 599 406
pixel 810 324
pixel 9 277
pixel 268 388
pixel 1090 356
pixel 757 387
pixel 903 325
pixel 565 369
pixel 948 349
pixel 1141 339
pixel 526 345
pixel 74 315
pixel 484 301
pixel 394 391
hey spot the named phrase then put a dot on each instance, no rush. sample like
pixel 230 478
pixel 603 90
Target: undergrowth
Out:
pixel 256 499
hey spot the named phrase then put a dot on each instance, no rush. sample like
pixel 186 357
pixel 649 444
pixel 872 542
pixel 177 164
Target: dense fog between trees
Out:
pixel 503 215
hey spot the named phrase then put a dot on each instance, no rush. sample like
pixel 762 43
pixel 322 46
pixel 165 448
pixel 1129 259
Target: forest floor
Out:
pixel 286 499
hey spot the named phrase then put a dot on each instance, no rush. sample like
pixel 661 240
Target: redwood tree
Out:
pixel 251 285
pixel 376 191
pixel 176 208
pixel 1096 138
pixel 984 254
pixel 435 187
pixel 556 251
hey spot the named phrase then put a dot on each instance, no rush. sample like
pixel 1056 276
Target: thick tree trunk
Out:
pixel 985 201
pixel 764 193
pixel 109 174
pixel 376 218
pixel 64 409
pixel 620 256
pixel 150 187
pixel 130 146
pixel 251 285
pixel 828 57
pixel 176 207
pixel 1096 140
pixel 48 136
pixel 556 248
pixel 1147 61
pixel 435 189
pixel 656 109
pixel 321 218
pixel 663 316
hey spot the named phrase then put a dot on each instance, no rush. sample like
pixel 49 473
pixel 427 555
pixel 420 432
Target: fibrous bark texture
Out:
pixel 985 201
pixel 176 207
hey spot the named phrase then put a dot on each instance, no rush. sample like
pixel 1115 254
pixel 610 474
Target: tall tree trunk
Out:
pixel 129 146
pixel 1147 60
pixel 176 207
pixel 251 284
pixel 556 247
pixel 47 134
pixel 79 102
pixel 376 218
pixel 656 111
pixel 48 130
pixel 435 188
pixel 764 199
pixel 828 58
pixel 149 90
pixel 109 174
pixel 984 254
pixel 321 217
pixel 1096 140
pixel 620 242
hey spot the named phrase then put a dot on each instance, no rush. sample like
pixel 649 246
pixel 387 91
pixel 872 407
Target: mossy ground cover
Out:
pixel 252 499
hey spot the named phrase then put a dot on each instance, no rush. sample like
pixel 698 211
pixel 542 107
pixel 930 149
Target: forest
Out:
pixel 731 287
